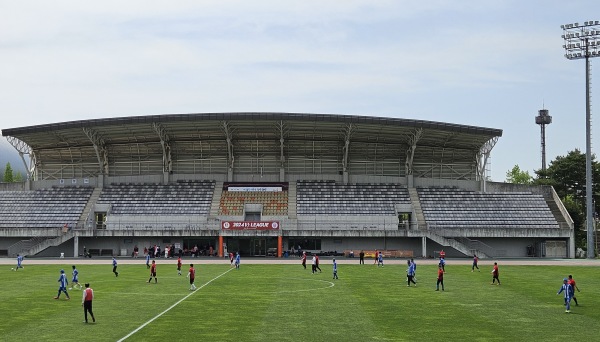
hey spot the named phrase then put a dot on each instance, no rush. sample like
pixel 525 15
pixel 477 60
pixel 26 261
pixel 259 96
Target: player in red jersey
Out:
pixel 192 276
pixel 179 265
pixel 304 259
pixel 495 274
pixel 440 278
pixel 153 272
pixel 574 286
pixel 231 259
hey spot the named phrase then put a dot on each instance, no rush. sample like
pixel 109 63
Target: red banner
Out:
pixel 246 225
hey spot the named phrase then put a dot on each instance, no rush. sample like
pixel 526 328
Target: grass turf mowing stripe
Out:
pixel 172 306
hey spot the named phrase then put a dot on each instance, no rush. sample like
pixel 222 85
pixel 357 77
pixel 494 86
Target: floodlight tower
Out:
pixel 583 41
pixel 543 119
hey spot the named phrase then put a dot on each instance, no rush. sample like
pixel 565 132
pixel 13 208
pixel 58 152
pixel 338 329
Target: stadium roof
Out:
pixel 225 135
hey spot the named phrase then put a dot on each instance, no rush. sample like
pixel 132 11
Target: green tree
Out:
pixel 18 177
pixel 517 176
pixel 567 175
pixel 8 174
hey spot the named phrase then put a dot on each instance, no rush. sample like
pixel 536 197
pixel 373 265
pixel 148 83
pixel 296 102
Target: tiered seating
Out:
pixel 330 198
pixel 46 208
pixel 458 208
pixel 274 203
pixel 182 198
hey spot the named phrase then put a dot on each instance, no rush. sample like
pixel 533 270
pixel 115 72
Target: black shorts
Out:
pixel 191 281
pixel 153 274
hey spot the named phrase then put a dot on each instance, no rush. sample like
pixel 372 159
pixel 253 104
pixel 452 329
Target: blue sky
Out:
pixel 483 63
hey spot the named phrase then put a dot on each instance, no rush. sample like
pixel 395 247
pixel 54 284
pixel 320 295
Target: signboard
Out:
pixel 246 225
pixel 254 188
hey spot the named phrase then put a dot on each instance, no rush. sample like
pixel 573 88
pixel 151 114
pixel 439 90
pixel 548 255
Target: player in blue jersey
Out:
pixel 237 260
pixel 147 260
pixel 412 261
pixel 75 280
pixel 380 260
pixel 19 262
pixel 114 263
pixel 62 285
pixel 568 290
pixel 410 273
pixel 335 276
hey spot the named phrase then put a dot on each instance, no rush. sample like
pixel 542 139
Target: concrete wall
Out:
pixel 545 190
pixel 356 244
pixel 119 243
pixel 45 184
pixel 464 184
pixel 17 186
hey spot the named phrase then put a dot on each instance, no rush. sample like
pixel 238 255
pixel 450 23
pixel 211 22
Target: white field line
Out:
pixel 172 306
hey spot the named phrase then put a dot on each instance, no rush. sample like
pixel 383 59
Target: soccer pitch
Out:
pixel 284 302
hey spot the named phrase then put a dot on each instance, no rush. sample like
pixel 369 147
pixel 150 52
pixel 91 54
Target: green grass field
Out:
pixel 288 303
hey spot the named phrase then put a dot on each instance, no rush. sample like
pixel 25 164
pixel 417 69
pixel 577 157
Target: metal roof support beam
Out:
pixel 282 129
pixel 100 148
pixel 23 149
pixel 348 130
pixel 413 139
pixel 482 159
pixel 228 131
pixel 165 143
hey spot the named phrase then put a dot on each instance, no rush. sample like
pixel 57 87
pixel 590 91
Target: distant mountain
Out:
pixel 8 154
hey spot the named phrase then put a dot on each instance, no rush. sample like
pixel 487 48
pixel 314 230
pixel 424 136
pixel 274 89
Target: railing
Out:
pixel 24 245
pixel 476 245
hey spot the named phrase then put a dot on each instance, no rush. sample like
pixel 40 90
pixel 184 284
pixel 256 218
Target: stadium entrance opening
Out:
pixel 255 246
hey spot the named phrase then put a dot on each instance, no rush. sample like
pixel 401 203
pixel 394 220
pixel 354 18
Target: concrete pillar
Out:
pixel 571 251
pixel 100 182
pixel 279 246
pixel 165 177
pixel 410 181
pixel 281 174
pixel 220 246
pixel 424 247
pixel 345 177
pixel 76 246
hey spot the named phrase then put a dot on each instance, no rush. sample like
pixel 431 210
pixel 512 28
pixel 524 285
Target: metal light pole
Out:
pixel 583 41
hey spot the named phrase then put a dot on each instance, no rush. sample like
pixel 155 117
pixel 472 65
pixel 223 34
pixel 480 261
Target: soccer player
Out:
pixel 380 260
pixel 86 302
pixel 231 259
pixel 475 260
pixel 317 264
pixel 361 257
pixel 304 259
pixel 19 261
pixel 376 258
pixel 237 260
pixel 440 278
pixel 147 260
pixel 153 272
pixel 335 276
pixel 179 265
pixel 495 274
pixel 314 264
pixel 573 288
pixel 443 264
pixel 114 263
pixel 192 276
pixel 75 280
pixel 567 289
pixel 410 274
pixel 412 261
pixel 62 285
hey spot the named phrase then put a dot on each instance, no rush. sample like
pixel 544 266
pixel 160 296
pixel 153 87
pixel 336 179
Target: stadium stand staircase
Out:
pixel 24 245
pixel 37 244
pixel 88 208
pixel 416 203
pixel 35 249
pixel 216 200
pixel 457 245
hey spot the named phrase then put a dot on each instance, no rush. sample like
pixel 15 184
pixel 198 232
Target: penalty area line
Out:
pixel 172 306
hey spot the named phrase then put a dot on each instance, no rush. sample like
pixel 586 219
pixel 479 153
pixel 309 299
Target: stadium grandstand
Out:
pixel 270 184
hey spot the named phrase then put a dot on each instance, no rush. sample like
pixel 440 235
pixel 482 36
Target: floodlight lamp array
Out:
pixel 581 41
